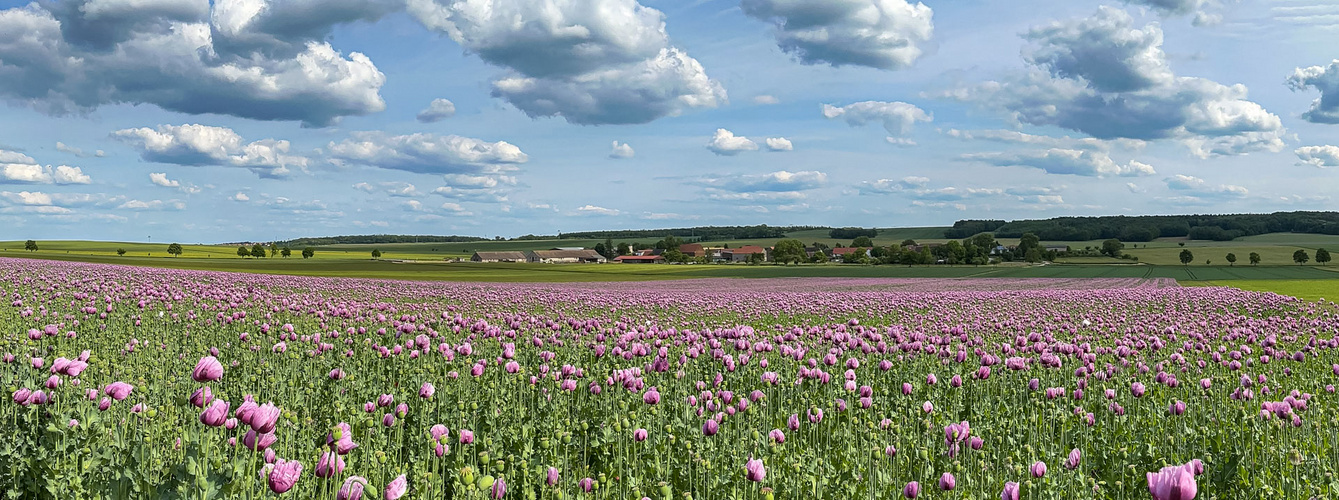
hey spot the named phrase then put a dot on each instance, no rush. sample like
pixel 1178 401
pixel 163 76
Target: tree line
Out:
pixel 370 239
pixel 1148 228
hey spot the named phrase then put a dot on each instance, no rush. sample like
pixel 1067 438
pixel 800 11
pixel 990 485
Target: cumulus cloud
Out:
pixel 437 110
pixel 1326 80
pixel 621 150
pixel 160 179
pixel 1065 161
pixel 153 205
pixel 888 186
pixel 64 148
pixel 1206 12
pixel 1318 156
pixel 594 210
pixel 779 144
pixel 766 100
pixel 18 168
pixel 250 58
pixel 774 182
pixel 1199 188
pixel 591 62
pixel 883 34
pixel 396 188
pixel 1103 77
pixel 1064 142
pixel 427 153
pixel 485 188
pixel 726 143
pixel 240 196
pixel 203 145
pixel 897 117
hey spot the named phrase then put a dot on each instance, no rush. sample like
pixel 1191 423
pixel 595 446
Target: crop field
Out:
pixel 128 382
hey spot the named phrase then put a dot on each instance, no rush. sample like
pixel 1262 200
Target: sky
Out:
pixel 232 120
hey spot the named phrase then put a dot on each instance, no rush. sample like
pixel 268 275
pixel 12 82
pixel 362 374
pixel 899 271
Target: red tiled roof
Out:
pixel 749 249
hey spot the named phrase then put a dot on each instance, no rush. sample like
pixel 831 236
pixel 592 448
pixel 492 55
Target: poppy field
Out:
pixel 127 382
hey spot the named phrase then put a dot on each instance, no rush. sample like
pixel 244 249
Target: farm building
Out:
pixel 693 250
pixel 498 257
pixel 564 256
pixel 743 253
pixel 639 259
pixel 844 251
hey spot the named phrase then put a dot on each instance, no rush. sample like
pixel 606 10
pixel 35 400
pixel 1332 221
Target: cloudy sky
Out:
pixel 229 120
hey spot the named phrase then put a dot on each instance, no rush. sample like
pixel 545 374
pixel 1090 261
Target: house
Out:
pixel 742 254
pixel 693 250
pixel 564 256
pixel 498 257
pixel 639 259
pixel 568 248
pixel 1057 248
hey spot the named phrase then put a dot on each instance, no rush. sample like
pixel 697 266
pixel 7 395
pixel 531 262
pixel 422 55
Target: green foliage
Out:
pixel 1232 259
pixel 1322 256
pixel 286 252
pixel 788 251
pixel 30 245
pixel 1112 248
pixel 862 242
pixel 1187 257
pixel 243 252
pixel 257 251
pixel 376 254
pixel 848 233
pixel 120 251
pixel 1301 257
pixel 376 239
pixel 308 252
pixel 1147 228
pixel 174 249
pixel 624 249
pixel 1254 258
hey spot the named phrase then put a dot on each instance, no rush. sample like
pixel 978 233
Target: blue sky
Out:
pixel 267 119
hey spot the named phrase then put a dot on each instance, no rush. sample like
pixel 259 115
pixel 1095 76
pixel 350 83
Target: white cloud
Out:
pixel 776 181
pixel 77 55
pixel 64 148
pixel 726 143
pixel 594 210
pixel 621 150
pixel 1199 188
pixel 779 144
pixel 427 153
pixel 1326 80
pixel 395 188
pixel 152 205
pixel 240 196
pixel 28 198
pixel 437 110
pixel 160 179
pixel 884 34
pixel 22 173
pixel 455 209
pixel 1065 161
pixel 1103 77
pixel 590 62
pixel 897 117
pixel 1063 142
pixel 886 186
pixel 1318 156
pixel 1207 12
pixel 766 100
pixel 203 145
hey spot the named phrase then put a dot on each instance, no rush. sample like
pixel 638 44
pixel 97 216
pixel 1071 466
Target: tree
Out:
pixel 1187 257
pixel 257 251
pixel 1300 257
pixel 757 258
pixel 121 252
pixel 1323 256
pixel 669 243
pixel 376 254
pixel 30 246
pixel 608 252
pixel 908 243
pixel 174 249
pixel 862 242
pixel 1033 255
pixel 286 252
pixel 624 249
pixel 1232 259
pixel 788 251
pixel 308 253
pixel 1028 242
pixel 602 250
pixel 1112 248
pixel 243 252
pixel 1255 258
pixel 819 257
pixel 274 249
pixel 1182 243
